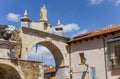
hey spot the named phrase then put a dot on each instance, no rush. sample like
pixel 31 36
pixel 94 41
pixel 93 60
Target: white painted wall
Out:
pixel 94 54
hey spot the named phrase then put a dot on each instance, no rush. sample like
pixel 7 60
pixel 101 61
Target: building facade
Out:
pixel 95 55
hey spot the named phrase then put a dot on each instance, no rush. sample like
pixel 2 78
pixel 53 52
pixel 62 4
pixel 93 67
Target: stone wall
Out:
pixel 16 37
pixel 30 69
pixel 16 67
pixel 24 69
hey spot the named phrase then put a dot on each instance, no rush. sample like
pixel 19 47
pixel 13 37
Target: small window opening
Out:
pixel 45 26
pixel 83 60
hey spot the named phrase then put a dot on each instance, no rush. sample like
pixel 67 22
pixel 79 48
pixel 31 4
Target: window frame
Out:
pixel 82 58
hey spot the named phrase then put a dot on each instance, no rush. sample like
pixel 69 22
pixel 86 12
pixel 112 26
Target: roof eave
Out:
pixel 101 35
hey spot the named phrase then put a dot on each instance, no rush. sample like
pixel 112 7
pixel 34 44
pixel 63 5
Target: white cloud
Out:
pixel 71 30
pixel 80 32
pixel 68 28
pixel 117 2
pixel 13 17
pixel 95 2
pixel 42 54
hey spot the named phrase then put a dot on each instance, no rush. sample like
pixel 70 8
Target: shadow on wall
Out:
pixel 85 72
pixel 88 45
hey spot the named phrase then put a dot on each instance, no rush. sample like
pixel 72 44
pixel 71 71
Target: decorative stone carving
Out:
pixel 7 32
pixel 43 13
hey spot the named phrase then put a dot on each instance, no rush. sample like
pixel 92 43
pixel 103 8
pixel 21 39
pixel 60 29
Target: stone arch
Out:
pixel 8 72
pixel 56 44
pixel 56 52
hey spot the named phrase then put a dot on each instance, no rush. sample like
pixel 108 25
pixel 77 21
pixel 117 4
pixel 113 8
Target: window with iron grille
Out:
pixel 116 58
pixel 117 51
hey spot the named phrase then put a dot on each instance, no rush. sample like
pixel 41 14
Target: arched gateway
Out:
pixel 56 44
pixel 7 71
pixel 39 32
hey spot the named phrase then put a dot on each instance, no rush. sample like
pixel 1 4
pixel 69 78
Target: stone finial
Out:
pixel 59 29
pixel 43 13
pixel 59 23
pixel 25 20
pixel 25 17
pixel 25 13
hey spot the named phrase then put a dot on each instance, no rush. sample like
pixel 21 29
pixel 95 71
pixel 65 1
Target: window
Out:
pixel 117 51
pixel 82 58
pixel 93 72
pixel 116 57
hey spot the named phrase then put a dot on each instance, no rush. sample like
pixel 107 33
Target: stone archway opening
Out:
pixel 40 53
pixel 59 60
pixel 56 44
pixel 50 55
pixel 8 72
pixel 53 51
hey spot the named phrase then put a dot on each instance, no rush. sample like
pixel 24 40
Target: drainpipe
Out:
pixel 105 57
pixel 70 61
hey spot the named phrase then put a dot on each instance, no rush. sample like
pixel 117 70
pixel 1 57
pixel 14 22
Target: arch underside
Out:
pixel 55 52
pixel 8 72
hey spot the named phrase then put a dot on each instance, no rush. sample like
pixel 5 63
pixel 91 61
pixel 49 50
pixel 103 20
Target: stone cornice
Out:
pixel 41 33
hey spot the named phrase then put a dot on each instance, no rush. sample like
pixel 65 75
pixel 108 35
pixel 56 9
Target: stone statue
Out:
pixel 7 32
pixel 43 13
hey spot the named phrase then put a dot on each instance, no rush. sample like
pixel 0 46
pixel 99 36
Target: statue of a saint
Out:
pixel 43 13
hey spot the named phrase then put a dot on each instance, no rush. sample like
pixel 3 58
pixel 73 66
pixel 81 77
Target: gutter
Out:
pixel 105 57
pixel 70 61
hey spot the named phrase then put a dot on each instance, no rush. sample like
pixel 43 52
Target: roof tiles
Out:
pixel 99 32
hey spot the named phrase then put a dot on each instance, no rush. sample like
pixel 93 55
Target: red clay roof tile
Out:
pixel 49 69
pixel 102 31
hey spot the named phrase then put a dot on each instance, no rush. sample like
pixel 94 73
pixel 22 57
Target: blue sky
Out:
pixel 85 14
pixel 42 54
pixel 77 16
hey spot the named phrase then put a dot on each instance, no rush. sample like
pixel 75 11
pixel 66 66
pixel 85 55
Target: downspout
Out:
pixel 70 61
pixel 105 57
